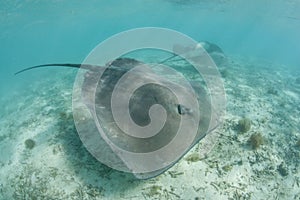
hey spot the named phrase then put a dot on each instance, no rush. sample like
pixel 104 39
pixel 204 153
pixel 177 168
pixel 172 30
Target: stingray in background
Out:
pixel 139 105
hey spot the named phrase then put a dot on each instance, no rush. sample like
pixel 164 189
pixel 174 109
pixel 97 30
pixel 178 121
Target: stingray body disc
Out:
pixel 134 119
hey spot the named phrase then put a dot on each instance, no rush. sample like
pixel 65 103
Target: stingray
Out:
pixel 96 94
pixel 212 49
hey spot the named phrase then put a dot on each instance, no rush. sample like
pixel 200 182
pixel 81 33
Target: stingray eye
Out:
pixel 179 109
pixel 182 110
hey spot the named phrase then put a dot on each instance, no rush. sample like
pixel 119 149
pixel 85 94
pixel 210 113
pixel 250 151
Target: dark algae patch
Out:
pixel 298 143
pixel 256 140
pixel 29 144
pixel 227 168
pixel 244 125
pixel 283 169
pixel 194 157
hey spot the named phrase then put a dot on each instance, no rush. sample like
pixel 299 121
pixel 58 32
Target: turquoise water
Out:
pixel 260 38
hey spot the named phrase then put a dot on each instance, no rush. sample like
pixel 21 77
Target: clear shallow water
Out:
pixel 68 31
pixel 36 32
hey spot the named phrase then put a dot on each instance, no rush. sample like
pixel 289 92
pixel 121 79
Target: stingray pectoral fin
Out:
pixel 83 66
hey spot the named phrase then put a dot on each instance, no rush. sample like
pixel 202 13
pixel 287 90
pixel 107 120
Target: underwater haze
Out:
pixel 257 153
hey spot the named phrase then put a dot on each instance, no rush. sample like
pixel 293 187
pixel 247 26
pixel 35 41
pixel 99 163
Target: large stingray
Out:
pixel 96 96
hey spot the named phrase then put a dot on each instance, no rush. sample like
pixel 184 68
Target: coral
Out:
pixel 244 125
pixel 29 143
pixel 256 140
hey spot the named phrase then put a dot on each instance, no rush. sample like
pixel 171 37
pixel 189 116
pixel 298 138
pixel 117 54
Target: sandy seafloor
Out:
pixel 59 166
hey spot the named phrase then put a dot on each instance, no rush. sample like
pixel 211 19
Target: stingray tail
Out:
pixel 83 66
